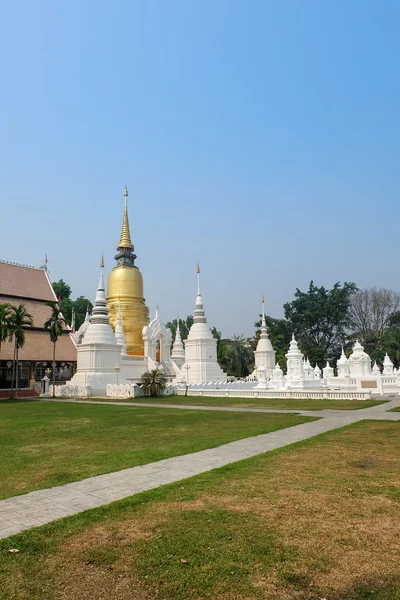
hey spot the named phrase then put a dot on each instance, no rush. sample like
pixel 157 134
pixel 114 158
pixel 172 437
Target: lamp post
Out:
pixel 117 370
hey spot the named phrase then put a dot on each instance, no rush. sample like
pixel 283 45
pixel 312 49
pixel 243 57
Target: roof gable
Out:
pixel 25 282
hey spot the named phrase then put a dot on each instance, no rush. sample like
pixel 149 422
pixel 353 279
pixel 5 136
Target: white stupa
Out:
pixel 359 361
pixel 295 365
pixel 387 366
pixel 99 352
pixel 264 354
pixel 201 363
pixel 178 351
pixel 343 367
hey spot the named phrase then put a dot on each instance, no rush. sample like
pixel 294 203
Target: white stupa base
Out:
pixel 201 372
pixel 96 381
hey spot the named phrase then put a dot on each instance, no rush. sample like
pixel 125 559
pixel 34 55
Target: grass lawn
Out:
pixel 317 520
pixel 275 403
pixel 395 409
pixel 43 444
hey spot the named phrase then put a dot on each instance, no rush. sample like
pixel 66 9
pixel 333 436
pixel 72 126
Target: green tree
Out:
pixel 66 305
pixel 81 305
pixel 280 334
pixel 238 360
pixel 390 341
pixel 184 327
pixel 154 382
pixel 20 319
pixel 61 289
pixel 54 326
pixel 320 319
pixel 5 314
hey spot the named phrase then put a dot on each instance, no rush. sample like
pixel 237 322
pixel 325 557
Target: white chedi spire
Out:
pixel 375 369
pixel 317 372
pixel 178 351
pixel 201 363
pixel 328 371
pixel 293 346
pixel 199 329
pixel 99 330
pixel 119 331
pixel 387 365
pixel 343 365
pixel 264 354
pixel 264 342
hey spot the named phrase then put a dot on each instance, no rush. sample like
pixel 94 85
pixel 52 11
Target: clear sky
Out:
pixel 261 138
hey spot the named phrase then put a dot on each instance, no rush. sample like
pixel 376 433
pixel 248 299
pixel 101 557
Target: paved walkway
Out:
pixel 37 508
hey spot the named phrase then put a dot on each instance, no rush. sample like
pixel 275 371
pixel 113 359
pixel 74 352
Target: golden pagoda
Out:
pixel 125 288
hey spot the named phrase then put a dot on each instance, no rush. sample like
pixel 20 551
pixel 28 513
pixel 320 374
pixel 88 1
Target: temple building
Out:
pixel 201 363
pixel 118 342
pixel 264 353
pixel 125 290
pixel 20 284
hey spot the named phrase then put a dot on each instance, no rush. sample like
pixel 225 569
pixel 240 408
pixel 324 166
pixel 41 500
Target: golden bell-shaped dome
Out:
pixel 125 286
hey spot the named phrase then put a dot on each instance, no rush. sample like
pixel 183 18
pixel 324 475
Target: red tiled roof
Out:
pixel 38 347
pixel 27 282
pixel 17 283
pixel 39 310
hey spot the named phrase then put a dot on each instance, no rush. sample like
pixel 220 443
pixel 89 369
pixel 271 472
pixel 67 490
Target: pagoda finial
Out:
pixel 125 241
pixel 102 261
pixel 198 279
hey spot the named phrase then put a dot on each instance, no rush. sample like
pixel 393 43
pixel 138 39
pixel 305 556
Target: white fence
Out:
pixel 257 393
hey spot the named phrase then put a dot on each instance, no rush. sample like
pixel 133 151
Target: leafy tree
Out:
pixel 238 358
pixel 66 305
pixel 320 319
pixel 390 341
pixel 184 327
pixel 20 319
pixel 280 333
pixel 154 382
pixel 54 326
pixel 221 346
pixel 81 305
pixel 5 314
pixel 370 314
pixel 61 289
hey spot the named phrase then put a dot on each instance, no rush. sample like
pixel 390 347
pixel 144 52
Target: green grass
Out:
pixel 44 444
pixel 315 520
pixel 395 409
pixel 273 403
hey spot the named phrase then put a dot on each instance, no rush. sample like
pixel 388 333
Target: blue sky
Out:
pixel 260 138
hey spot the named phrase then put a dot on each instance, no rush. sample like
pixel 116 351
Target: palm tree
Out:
pixel 55 326
pixel 5 314
pixel 154 382
pixel 20 319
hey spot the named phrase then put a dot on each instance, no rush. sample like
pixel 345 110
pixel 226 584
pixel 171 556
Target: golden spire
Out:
pixel 125 241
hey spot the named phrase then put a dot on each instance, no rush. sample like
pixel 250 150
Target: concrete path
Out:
pixel 37 508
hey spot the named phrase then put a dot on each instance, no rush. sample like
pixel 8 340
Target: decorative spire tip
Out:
pixel 102 260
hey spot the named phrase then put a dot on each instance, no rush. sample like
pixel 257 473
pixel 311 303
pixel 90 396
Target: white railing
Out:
pixel 289 394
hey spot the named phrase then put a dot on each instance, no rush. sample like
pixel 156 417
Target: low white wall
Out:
pixel 254 393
